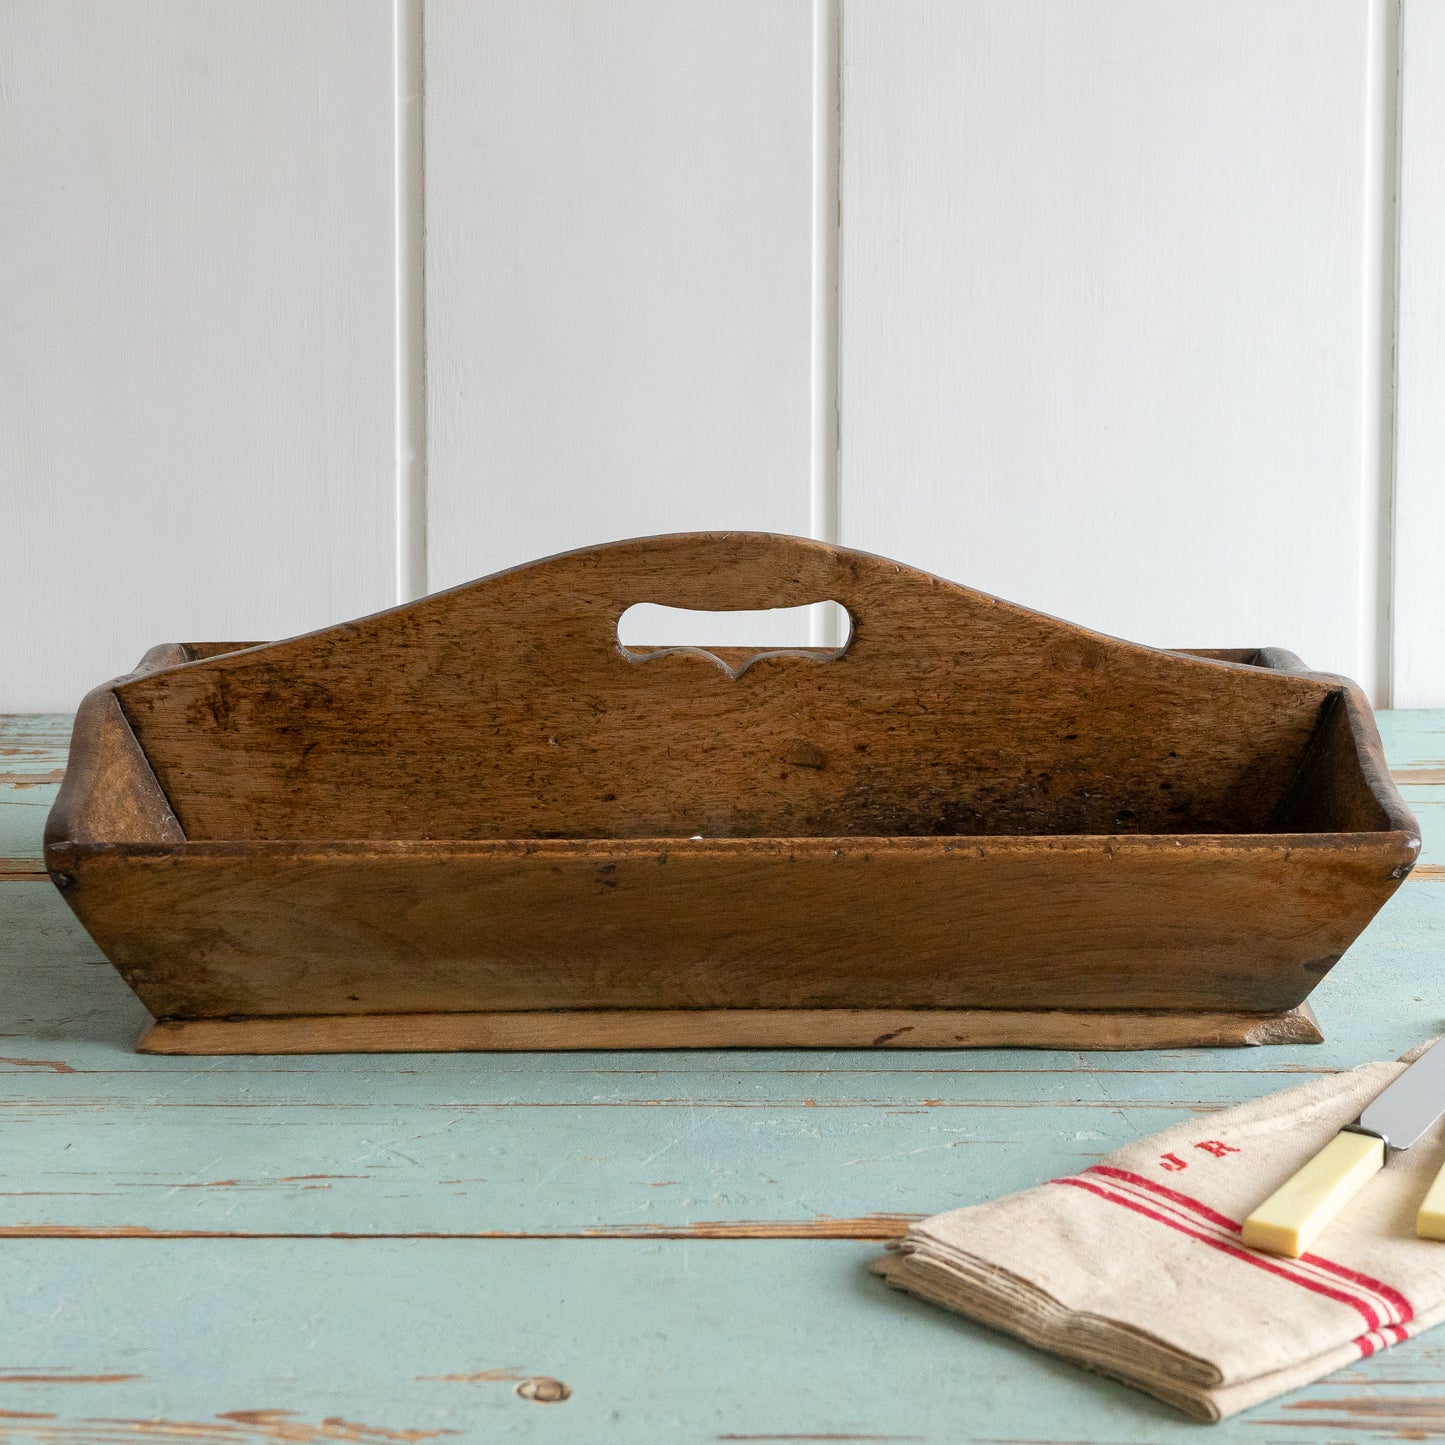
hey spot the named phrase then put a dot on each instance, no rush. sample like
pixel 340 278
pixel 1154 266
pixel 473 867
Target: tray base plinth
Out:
pixel 729 1029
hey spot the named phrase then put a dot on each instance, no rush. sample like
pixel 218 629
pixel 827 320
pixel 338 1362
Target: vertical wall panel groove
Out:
pixel 409 29
pixel 1379 303
pixel 1419 574
pixel 827 225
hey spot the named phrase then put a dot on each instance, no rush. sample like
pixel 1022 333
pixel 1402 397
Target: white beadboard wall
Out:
pixel 1418 604
pixel 1126 310
pixel 197 362
pixel 1105 325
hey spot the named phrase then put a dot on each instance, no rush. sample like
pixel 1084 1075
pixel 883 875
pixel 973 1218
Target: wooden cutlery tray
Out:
pixel 478 821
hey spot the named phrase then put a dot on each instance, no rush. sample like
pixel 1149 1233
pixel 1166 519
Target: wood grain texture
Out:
pixel 790 1028
pixel 531 817
pixel 209 930
pixel 124 803
pixel 1419 593
pixel 196 373
pixel 1102 286
pixel 32 761
pixel 109 792
pixel 506 709
pixel 619 243
pixel 655 1342
pixel 34 749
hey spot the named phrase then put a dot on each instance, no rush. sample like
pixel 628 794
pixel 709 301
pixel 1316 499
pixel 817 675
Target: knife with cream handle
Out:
pixel 1292 1218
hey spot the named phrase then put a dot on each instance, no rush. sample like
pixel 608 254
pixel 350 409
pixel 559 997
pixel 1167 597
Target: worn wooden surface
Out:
pixel 836 1028
pixel 481 803
pixel 387 1247
pixel 508 705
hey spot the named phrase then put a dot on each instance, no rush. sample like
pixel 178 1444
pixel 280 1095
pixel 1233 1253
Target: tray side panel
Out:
pixel 109 793
pixel 1180 927
pixel 1331 789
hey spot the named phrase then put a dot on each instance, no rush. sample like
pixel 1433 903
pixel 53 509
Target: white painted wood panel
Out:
pixel 196 328
pixel 619 244
pixel 1108 309
pixel 1419 599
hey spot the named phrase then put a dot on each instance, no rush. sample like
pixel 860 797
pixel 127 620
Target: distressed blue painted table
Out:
pixel 401 1248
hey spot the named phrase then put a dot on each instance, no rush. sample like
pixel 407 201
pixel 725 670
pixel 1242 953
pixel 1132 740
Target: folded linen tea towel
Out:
pixel 1134 1268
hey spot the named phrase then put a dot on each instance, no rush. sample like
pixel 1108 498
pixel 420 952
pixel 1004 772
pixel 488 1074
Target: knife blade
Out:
pixel 1294 1216
pixel 1402 1111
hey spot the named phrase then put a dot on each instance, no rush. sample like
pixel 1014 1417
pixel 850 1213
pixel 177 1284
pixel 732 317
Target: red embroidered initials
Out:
pixel 1172 1162
pixel 1216 1147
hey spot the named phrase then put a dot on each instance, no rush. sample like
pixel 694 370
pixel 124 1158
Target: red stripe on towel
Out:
pixel 1164 1192
pixel 1399 1306
pixel 1267 1263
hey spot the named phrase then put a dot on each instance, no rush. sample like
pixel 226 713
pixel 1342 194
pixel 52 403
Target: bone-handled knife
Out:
pixel 1291 1219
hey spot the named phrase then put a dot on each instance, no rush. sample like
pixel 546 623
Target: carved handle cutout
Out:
pixel 735 639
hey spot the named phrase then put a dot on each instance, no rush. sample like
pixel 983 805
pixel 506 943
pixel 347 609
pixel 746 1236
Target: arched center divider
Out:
pixel 506 709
